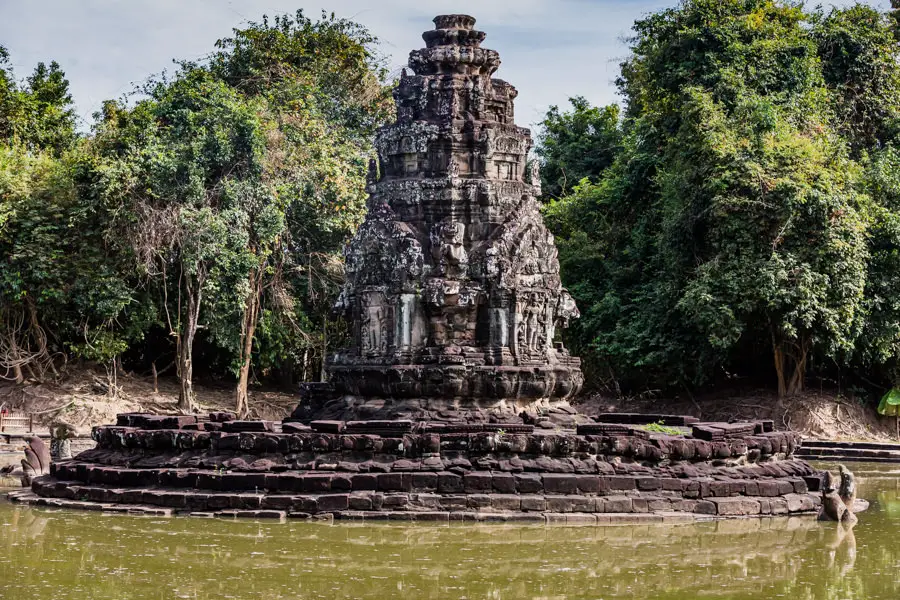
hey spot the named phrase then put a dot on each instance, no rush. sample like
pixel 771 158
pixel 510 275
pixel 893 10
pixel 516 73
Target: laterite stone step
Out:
pixel 194 501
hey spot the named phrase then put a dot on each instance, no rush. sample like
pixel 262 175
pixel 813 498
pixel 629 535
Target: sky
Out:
pixel 551 49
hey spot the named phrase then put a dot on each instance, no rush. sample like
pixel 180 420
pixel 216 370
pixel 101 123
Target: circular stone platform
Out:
pixel 434 471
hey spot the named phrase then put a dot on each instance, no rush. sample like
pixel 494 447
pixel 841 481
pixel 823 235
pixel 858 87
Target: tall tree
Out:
pixel 730 221
pixel 244 175
pixel 38 115
pixel 324 94
pixel 576 144
pixel 859 55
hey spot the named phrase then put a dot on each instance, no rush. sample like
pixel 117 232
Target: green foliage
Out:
pixel 39 114
pixel 218 203
pixel 660 427
pixel 735 221
pixel 859 63
pixel 576 144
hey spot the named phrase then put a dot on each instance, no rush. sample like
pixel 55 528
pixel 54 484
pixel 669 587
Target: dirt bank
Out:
pixel 79 399
pixel 820 414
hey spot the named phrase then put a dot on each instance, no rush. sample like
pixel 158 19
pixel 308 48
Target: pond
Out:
pixel 59 554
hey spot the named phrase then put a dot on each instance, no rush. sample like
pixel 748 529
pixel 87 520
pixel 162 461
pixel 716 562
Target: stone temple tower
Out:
pixel 453 288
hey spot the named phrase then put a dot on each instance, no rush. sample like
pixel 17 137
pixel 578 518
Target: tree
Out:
pixel 783 236
pixel 62 289
pixel 860 65
pixel 730 221
pixel 324 96
pixel 577 144
pixel 179 158
pixel 243 176
pixel 38 115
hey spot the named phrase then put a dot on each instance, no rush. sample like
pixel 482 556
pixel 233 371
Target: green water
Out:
pixel 61 555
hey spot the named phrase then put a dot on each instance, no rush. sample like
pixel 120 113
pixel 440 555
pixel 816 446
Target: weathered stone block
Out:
pixel 559 484
pixel 333 502
pixel 618 482
pixel 316 483
pixel 648 484
pixel 424 481
pixel 738 507
pixel 360 501
pixel 391 482
pixel 560 504
pixel 277 502
pixel 528 483
pixel 306 504
pixel 533 503
pixel 478 501
pixel 768 488
pixel 503 483
pixel 364 481
pixel 246 501
pixel 614 504
pixel 799 503
pixel 511 502
pixel 341 483
pixel 779 506
pixel 478 481
pixel 243 481
pixel 454 502
pixel 450 483
pixel 670 484
pixel 429 501
pixel 720 489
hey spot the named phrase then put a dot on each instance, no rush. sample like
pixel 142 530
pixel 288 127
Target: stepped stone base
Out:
pixel 436 471
pixel 850 451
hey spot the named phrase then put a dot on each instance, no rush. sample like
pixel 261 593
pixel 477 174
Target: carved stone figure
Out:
pixel 838 502
pixel 536 177
pixel 847 488
pixel 36 461
pixel 372 175
pixel 61 434
pixel 447 241
pixel 465 270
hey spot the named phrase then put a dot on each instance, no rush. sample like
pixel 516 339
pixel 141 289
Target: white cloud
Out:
pixel 551 49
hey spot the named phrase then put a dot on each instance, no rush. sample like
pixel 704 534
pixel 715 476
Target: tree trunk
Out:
pixel 305 362
pixel 186 395
pixel 323 376
pixel 17 367
pixel 790 365
pixel 778 355
pixel 248 331
pixel 112 381
pixel 185 357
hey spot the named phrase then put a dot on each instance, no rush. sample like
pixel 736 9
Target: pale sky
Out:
pixel 551 49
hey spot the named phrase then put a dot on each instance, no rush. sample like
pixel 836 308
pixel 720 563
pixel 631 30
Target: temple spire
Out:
pixel 453 289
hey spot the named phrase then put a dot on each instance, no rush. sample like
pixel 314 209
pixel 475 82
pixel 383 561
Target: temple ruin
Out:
pixel 453 289
pixel 451 404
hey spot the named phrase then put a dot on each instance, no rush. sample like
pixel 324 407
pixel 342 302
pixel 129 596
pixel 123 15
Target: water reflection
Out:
pixel 88 555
